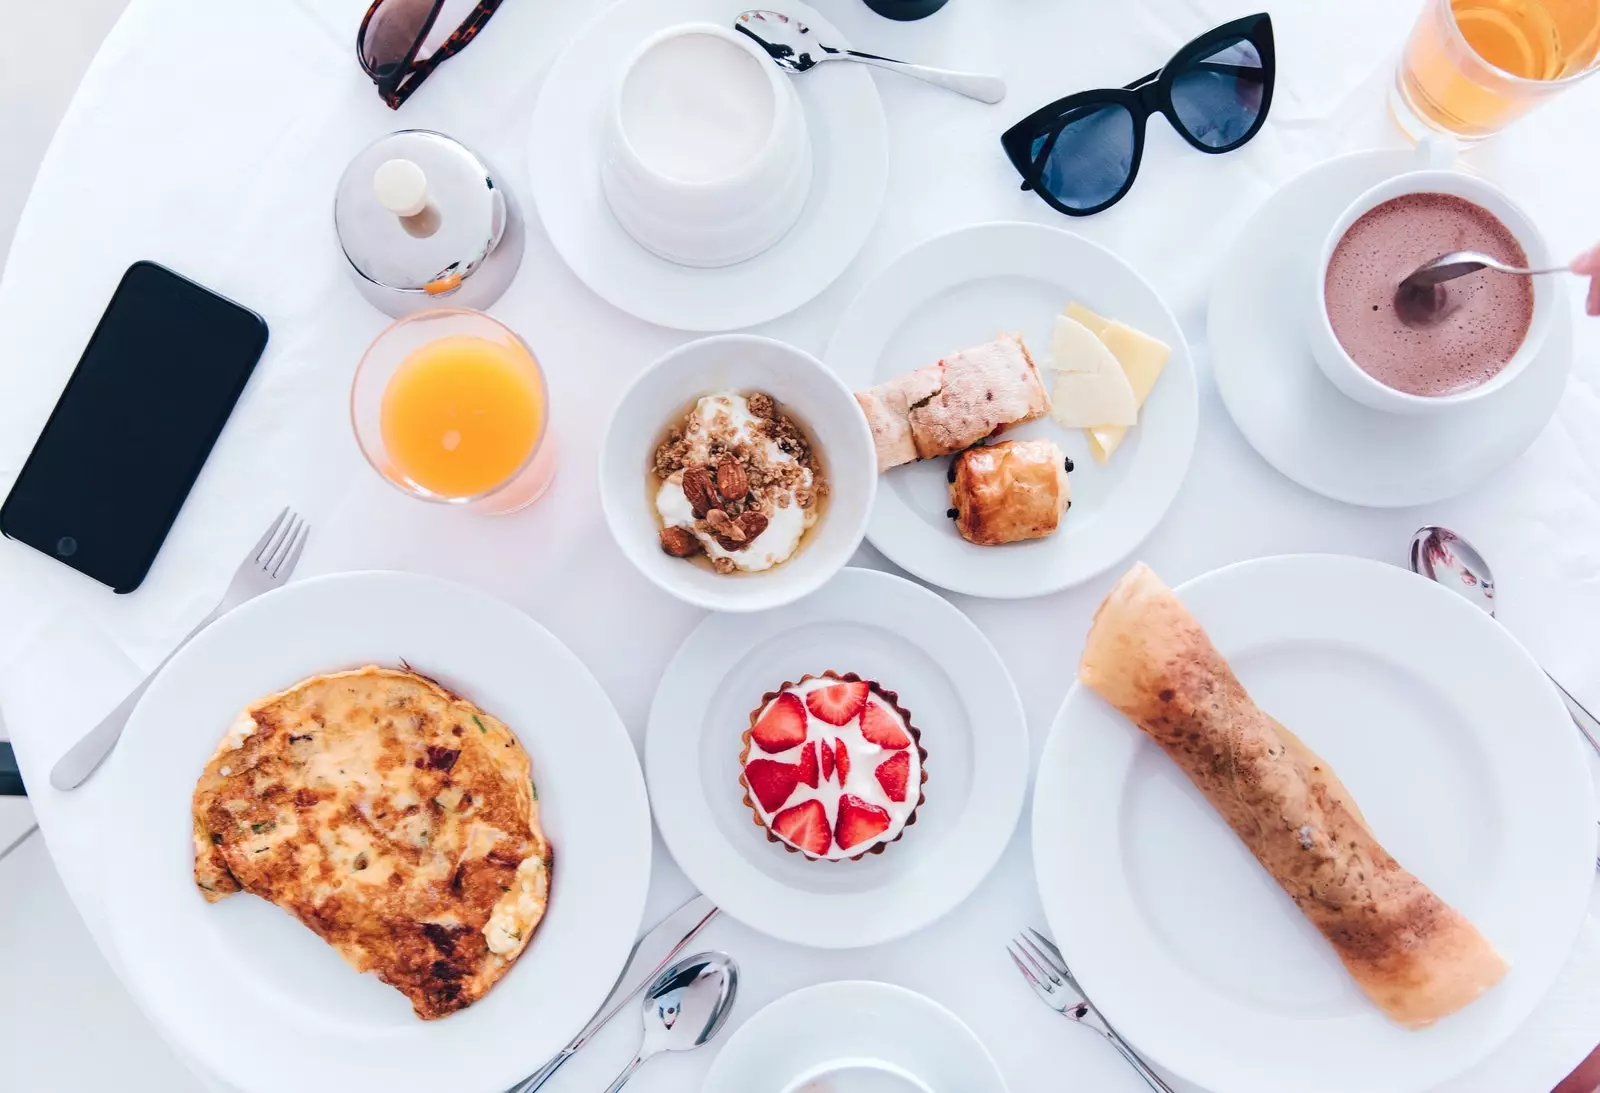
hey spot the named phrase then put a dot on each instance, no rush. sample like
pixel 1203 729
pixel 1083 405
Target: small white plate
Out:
pixel 850 146
pixel 258 998
pixel 853 1020
pixel 1303 425
pixel 1458 751
pixel 963 289
pixel 959 695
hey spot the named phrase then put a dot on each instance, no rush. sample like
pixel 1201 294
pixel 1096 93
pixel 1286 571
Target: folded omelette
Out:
pixel 1414 955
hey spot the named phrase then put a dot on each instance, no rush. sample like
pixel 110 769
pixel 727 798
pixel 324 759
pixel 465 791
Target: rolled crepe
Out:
pixel 1414 955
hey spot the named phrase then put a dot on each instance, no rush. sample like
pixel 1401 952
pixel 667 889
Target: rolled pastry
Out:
pixel 1007 492
pixel 945 407
pixel 1415 956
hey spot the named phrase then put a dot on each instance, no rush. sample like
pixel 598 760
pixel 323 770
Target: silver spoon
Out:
pixel 685 1006
pixel 1421 299
pixel 790 45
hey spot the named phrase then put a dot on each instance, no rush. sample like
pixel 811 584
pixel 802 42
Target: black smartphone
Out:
pixel 134 425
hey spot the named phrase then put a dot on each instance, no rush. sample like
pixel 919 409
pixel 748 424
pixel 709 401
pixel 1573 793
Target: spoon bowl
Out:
pixel 1421 300
pixel 684 1007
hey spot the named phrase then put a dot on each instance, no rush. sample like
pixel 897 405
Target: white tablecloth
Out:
pixel 209 135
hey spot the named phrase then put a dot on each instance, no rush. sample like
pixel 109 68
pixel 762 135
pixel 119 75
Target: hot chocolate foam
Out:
pixel 1491 312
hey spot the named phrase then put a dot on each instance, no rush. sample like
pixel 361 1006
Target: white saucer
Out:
pixel 960 697
pixel 1185 942
pixel 853 1020
pixel 850 144
pixel 1301 423
pixel 962 289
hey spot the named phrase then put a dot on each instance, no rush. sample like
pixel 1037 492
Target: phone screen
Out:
pixel 134 425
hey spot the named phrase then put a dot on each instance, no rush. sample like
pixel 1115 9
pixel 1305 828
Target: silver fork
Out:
pixel 266 567
pixel 1042 965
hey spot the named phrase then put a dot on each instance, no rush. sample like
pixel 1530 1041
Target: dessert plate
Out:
pixel 853 1020
pixel 258 998
pixel 850 147
pixel 1303 425
pixel 960 697
pixel 1456 748
pixel 961 289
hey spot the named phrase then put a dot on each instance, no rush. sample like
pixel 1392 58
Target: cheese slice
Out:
pixel 1091 387
pixel 1142 359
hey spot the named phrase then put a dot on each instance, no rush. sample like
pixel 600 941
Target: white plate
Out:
pixel 853 1020
pixel 961 698
pixel 1297 420
pixel 850 146
pixel 962 289
pixel 259 999
pixel 1457 749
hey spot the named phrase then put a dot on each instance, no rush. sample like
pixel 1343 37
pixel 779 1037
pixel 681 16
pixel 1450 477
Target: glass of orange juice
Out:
pixel 451 406
pixel 1471 67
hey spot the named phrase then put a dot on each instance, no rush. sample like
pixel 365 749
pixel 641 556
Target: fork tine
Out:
pixel 285 568
pixel 1023 968
pixel 260 551
pixel 1050 947
pixel 1046 964
pixel 281 548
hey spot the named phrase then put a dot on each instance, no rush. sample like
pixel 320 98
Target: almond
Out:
pixel 732 482
pixel 700 490
pixel 752 524
pixel 679 542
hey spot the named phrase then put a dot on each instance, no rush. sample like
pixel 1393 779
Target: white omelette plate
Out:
pixel 850 147
pixel 853 1020
pixel 960 696
pixel 1303 425
pixel 963 289
pixel 258 998
pixel 1454 745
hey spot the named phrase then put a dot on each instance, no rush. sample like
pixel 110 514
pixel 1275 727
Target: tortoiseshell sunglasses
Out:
pixel 393 34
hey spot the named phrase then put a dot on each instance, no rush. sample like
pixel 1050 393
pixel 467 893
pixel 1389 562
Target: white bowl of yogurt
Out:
pixel 714 380
pixel 707 155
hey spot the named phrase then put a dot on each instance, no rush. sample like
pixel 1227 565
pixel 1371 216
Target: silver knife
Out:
pixel 651 955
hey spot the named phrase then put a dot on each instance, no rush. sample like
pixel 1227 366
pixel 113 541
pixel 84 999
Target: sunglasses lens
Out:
pixel 391 33
pixel 1218 97
pixel 1087 163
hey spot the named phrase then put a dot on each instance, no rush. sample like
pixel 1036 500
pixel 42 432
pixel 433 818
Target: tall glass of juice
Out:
pixel 451 406
pixel 1471 67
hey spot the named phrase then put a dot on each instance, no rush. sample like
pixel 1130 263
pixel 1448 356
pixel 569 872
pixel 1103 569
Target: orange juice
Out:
pixel 1473 66
pixel 461 414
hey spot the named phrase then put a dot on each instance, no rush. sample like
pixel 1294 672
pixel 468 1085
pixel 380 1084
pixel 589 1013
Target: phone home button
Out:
pixel 66 546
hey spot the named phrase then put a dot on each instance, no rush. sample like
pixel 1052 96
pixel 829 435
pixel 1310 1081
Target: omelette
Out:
pixel 1414 955
pixel 396 820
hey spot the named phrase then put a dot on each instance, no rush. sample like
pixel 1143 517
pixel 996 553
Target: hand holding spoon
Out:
pixel 790 45
pixel 684 1007
pixel 1421 299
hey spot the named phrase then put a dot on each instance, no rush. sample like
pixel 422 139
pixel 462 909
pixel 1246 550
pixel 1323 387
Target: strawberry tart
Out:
pixel 832 767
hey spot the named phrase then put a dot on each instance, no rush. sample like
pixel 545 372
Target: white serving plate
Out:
pixel 963 289
pixel 259 999
pixel 1456 748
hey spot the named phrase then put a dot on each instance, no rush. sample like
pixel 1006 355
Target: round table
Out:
pixel 209 137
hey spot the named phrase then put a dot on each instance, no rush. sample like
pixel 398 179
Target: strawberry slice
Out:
pixel 827 761
pixel 858 821
pixel 880 727
pixel 808 766
pixel 806 826
pixel 783 725
pixel 772 782
pixel 837 704
pixel 841 758
pixel 893 773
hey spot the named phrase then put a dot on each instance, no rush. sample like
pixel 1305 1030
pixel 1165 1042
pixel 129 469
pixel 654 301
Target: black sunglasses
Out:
pixel 392 34
pixel 1081 153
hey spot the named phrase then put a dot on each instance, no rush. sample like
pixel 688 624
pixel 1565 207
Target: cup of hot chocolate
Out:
pixel 1493 323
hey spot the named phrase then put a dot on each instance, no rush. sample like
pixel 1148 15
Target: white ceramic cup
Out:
pixel 857 1076
pixel 699 86
pixel 804 388
pixel 1350 377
